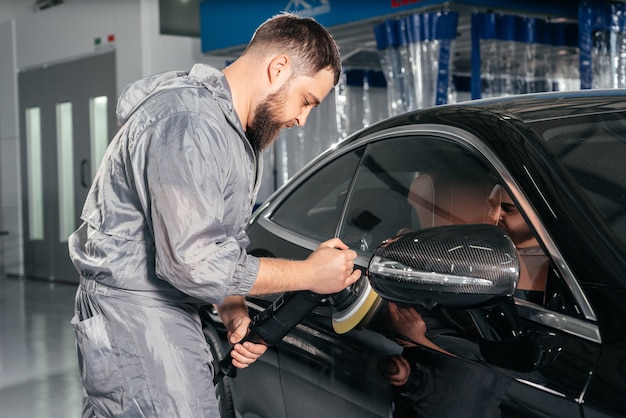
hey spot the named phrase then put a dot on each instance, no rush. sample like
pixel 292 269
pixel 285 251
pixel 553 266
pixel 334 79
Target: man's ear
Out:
pixel 279 69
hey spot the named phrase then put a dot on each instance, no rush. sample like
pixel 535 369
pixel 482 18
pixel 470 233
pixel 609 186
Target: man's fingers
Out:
pixel 240 325
pixel 247 353
pixel 334 243
pixel 256 349
pixel 356 274
pixel 351 254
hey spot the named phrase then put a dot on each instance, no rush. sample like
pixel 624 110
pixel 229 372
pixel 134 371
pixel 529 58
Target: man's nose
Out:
pixel 302 117
pixel 494 215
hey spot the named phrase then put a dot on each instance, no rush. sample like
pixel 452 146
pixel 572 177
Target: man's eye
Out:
pixel 508 209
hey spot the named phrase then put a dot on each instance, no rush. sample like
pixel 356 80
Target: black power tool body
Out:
pixel 352 307
pixel 271 325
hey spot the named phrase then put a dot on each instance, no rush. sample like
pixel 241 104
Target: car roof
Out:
pixel 526 108
pixel 542 106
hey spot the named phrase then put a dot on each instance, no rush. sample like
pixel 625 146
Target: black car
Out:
pixel 406 194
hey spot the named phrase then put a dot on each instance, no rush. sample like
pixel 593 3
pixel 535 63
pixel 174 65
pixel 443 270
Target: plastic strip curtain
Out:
pixel 359 99
pixel 363 101
pixel 415 55
pixel 602 26
pixel 516 54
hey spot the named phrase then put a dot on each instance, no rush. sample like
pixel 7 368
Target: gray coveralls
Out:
pixel 163 232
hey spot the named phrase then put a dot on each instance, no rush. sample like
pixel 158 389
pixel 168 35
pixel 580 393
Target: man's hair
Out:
pixel 308 44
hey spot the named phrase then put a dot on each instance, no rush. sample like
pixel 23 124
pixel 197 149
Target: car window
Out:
pixel 314 207
pixel 593 149
pixel 408 183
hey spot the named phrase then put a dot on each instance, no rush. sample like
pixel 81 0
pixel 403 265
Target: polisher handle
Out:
pixel 271 325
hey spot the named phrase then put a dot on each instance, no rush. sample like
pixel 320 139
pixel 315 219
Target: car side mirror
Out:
pixel 453 266
pixel 470 267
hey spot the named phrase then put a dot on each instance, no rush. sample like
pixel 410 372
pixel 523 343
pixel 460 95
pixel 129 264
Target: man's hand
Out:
pixel 336 267
pixel 247 353
pixel 234 315
pixel 407 322
pixel 396 369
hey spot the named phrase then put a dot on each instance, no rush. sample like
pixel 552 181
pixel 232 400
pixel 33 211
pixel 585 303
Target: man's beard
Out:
pixel 265 126
pixel 519 235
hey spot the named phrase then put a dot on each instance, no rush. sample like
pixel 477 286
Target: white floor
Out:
pixel 38 366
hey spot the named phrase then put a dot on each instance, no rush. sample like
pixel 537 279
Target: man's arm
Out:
pixel 329 269
pixel 408 323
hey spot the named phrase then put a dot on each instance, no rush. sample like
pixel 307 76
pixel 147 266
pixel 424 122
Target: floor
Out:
pixel 38 366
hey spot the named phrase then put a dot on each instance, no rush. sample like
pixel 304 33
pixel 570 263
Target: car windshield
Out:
pixel 593 150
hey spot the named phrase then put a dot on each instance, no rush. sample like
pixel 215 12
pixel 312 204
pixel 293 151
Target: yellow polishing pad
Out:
pixel 360 312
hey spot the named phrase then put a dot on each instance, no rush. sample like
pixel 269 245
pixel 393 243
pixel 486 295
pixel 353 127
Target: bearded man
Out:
pixel 164 223
pixel 534 263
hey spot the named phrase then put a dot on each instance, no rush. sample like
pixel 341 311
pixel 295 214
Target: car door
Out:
pixel 394 182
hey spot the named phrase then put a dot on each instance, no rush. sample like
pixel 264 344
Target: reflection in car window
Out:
pixel 539 281
pixel 593 150
pixel 313 209
pixel 410 183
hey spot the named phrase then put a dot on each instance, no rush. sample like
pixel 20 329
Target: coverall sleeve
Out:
pixel 188 172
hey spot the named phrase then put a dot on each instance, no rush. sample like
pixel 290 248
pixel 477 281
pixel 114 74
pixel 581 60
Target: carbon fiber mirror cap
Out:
pixel 453 266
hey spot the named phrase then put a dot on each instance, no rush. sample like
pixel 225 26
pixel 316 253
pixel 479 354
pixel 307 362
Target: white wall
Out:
pixel 68 31
pixel 10 196
pixel 166 52
pixel 30 39
pixel 13 8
